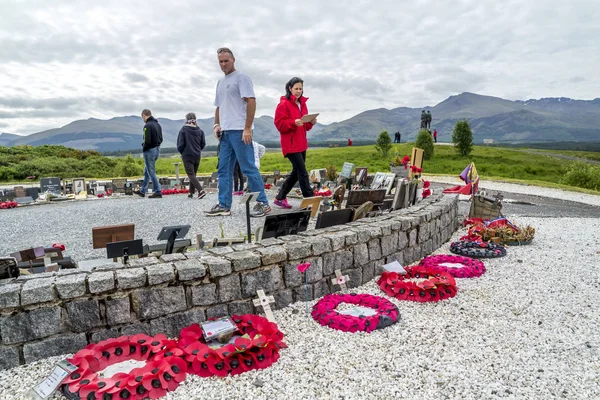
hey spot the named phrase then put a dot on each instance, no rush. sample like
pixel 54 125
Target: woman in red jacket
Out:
pixel 293 139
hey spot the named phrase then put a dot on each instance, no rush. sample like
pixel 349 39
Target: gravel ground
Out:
pixel 71 222
pixel 527 329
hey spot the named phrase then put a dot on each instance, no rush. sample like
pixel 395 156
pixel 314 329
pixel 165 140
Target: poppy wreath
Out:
pixel 475 249
pixel 257 348
pixel 471 268
pixel 163 371
pixel 8 204
pixel 167 192
pixel 324 312
pixel 435 287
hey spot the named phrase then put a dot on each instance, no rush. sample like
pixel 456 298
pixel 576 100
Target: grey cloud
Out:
pixel 135 77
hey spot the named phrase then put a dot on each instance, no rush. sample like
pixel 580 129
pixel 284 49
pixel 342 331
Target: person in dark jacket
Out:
pixel 288 120
pixel 151 151
pixel 190 143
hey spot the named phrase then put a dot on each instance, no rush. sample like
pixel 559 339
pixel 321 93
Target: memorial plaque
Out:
pixel 20 191
pixel 335 217
pixel 119 184
pixel 79 185
pixel 347 170
pixel 50 185
pixel 128 188
pixel 359 197
pixel 24 200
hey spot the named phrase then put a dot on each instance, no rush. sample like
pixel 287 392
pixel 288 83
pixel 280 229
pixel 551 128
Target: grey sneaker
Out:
pixel 218 210
pixel 260 210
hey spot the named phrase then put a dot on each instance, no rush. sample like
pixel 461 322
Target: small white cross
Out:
pixel 340 280
pixel 264 300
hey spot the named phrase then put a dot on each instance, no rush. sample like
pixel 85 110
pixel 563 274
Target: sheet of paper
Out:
pixel 395 266
pixel 45 388
pixel 358 311
pixel 213 329
pixel 309 117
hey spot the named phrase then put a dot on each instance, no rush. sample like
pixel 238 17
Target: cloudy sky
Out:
pixel 66 60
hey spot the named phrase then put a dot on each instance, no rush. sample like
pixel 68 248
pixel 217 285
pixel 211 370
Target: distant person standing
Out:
pixel 435 135
pixel 288 120
pixel 397 137
pixel 151 151
pixel 190 143
pixel 235 103
pixel 349 142
pixel 238 180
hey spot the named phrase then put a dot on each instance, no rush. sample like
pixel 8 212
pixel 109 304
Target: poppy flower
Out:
pixel 303 267
pixel 153 386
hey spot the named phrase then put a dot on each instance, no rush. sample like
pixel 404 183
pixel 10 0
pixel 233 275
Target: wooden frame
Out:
pixel 112 233
pixel 356 198
pixel 313 203
pixel 416 159
pixel 79 185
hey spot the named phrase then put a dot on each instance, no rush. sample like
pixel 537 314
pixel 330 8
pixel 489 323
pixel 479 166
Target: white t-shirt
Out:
pixel 231 89
pixel 259 151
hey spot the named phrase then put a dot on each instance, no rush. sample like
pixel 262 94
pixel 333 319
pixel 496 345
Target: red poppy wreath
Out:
pixel 465 267
pixel 435 287
pixel 159 369
pixel 477 249
pixel 385 312
pixel 257 348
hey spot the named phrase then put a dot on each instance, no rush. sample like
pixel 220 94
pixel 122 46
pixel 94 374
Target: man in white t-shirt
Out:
pixel 234 117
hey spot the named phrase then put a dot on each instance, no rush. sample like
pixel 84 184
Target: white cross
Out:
pixel 264 300
pixel 340 280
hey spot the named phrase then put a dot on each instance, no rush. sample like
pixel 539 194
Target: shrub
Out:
pixel 425 142
pixel 383 144
pixel 462 137
pixel 129 166
pixel 331 173
pixel 582 175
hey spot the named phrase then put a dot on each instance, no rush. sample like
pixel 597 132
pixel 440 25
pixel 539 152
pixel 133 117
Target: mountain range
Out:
pixel 543 120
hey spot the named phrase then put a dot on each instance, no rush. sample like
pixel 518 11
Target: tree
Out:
pixel 462 137
pixel 383 144
pixel 425 142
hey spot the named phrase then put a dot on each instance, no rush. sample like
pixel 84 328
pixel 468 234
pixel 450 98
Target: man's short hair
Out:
pixel 146 112
pixel 190 116
pixel 222 50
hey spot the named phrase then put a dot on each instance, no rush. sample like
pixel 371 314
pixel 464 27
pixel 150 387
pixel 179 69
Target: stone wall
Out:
pixel 57 313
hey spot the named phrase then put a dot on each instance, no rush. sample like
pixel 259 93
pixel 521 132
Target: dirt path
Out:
pixel 543 153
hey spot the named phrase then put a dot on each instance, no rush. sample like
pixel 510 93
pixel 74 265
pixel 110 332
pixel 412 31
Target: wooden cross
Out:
pixel 264 300
pixel 340 280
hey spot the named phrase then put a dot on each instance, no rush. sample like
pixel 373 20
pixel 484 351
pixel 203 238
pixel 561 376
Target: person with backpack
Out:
pixel 190 143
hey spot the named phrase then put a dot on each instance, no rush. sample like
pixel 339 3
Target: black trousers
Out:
pixel 298 173
pixel 191 167
pixel 238 178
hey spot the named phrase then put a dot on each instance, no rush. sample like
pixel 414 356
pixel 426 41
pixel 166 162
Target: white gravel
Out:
pixel 526 329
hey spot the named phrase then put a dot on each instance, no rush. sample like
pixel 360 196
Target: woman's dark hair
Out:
pixel 290 85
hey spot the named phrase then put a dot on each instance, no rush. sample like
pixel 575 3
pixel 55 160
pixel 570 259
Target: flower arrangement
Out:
pixel 257 348
pixel 499 231
pixel 325 192
pixel 436 285
pixel 397 161
pixel 167 192
pixel 8 204
pixel 324 312
pixel 163 371
pixel 471 268
pixel 477 249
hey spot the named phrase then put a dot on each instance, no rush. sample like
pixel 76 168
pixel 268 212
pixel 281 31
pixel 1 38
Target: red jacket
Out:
pixel 293 137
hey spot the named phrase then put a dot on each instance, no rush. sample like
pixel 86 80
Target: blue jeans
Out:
pixel 232 148
pixel 150 157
